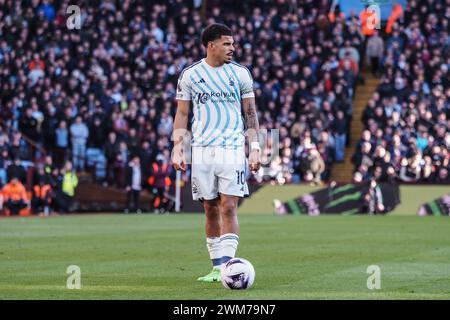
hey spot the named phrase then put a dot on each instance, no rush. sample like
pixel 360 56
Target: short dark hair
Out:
pixel 215 31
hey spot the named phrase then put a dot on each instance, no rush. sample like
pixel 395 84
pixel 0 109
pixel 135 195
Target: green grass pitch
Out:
pixel 160 257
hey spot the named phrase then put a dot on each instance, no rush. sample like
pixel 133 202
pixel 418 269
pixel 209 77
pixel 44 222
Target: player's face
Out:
pixel 224 49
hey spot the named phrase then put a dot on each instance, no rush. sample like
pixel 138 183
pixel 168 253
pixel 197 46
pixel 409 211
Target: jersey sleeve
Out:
pixel 184 88
pixel 246 85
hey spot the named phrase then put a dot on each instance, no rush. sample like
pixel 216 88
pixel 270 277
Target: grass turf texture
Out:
pixel 160 256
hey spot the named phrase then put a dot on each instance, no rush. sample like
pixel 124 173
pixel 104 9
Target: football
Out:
pixel 238 274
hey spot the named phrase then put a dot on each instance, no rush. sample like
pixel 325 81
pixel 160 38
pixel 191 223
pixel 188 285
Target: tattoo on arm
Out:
pixel 251 118
pixel 251 121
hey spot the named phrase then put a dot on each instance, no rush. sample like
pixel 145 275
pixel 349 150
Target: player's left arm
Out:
pixel 252 124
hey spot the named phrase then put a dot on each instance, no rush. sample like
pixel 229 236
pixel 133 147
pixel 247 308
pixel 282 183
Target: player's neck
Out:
pixel 212 62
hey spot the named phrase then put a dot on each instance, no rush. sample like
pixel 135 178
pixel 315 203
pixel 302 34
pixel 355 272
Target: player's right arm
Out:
pixel 179 132
pixel 181 120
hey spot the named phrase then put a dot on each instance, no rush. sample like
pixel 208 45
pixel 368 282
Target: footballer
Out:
pixel 220 92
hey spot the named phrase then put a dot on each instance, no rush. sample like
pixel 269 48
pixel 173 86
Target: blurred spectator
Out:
pixel 16 170
pixel 110 147
pixel 55 182
pixel 147 157
pixel 134 185
pixel 28 124
pixel 42 192
pixel 340 126
pixel 95 157
pixel 373 199
pixel 357 177
pixel 4 160
pixel 14 196
pixel 47 9
pixel 68 184
pixel 316 166
pixel 160 182
pixel 410 169
pixel 48 166
pixel 120 163
pixel 374 52
pixel 62 143
pixel 79 133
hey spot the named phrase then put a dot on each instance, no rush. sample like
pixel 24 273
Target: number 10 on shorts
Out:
pixel 240 177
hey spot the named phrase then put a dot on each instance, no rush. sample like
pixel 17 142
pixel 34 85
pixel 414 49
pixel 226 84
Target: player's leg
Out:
pixel 212 221
pixel 204 188
pixel 229 238
pixel 212 228
pixel 232 186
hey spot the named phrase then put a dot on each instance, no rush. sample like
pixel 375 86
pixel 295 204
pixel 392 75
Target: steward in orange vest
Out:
pixel 15 196
pixel 369 21
pixel 42 198
pixel 160 181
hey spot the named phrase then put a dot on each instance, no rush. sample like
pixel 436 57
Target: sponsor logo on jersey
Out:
pixel 203 97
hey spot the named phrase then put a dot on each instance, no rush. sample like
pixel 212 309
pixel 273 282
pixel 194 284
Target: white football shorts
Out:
pixel 218 170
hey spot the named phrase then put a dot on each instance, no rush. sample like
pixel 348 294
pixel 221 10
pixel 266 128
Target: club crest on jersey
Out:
pixel 231 81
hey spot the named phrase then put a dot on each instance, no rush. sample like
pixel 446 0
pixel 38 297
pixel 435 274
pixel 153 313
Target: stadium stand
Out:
pixel 65 92
pixel 407 136
pixel 99 95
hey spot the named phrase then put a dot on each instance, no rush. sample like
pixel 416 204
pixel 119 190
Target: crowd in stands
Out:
pixel 407 136
pixel 94 98
pixel 100 95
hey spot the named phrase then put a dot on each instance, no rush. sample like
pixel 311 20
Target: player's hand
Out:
pixel 178 160
pixel 254 161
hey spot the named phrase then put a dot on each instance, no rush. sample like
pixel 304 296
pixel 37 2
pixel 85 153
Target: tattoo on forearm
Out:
pixel 251 121
pixel 251 118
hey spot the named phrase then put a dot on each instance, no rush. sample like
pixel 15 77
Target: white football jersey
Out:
pixel 216 94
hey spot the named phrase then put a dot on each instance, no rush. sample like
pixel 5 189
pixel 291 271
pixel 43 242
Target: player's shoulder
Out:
pixel 189 69
pixel 240 68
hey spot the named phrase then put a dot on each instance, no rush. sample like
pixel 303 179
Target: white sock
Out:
pixel 228 243
pixel 213 246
